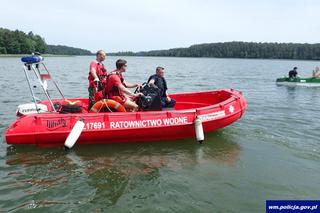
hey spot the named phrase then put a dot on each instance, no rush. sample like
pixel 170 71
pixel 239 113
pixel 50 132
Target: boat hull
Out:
pixel 305 82
pixel 103 128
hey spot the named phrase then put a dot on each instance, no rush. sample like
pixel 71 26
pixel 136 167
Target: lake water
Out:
pixel 272 152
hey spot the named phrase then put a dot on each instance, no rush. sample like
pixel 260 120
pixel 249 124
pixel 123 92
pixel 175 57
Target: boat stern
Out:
pixel 21 131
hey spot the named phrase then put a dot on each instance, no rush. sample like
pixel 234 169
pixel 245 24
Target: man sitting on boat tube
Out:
pixel 97 76
pixel 116 87
pixel 158 80
pixel 316 73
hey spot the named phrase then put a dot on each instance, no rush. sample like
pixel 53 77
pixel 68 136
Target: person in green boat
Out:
pixel 316 73
pixel 293 73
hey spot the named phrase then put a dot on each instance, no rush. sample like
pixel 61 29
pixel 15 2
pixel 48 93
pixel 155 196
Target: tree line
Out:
pixel 65 50
pixel 19 42
pixel 239 50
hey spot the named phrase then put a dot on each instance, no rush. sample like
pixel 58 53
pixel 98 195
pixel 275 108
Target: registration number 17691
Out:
pixel 94 125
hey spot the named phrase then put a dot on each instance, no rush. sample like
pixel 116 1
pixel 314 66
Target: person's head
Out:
pixel 101 55
pixel 295 68
pixel 121 65
pixel 160 71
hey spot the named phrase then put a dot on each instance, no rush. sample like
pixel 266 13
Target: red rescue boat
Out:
pixel 44 125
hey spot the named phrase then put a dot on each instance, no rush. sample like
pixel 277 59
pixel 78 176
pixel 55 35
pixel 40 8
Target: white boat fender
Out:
pixel 199 129
pixel 74 134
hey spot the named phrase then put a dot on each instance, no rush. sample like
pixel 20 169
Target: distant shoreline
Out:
pixel 17 42
pixel 148 56
pixel 208 57
pixel 238 49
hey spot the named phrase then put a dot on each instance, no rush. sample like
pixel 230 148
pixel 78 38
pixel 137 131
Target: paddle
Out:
pixel 74 134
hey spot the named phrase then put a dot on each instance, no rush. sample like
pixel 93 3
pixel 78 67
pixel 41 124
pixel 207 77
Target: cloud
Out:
pixel 145 24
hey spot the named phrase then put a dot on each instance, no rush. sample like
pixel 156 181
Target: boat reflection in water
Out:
pixel 106 172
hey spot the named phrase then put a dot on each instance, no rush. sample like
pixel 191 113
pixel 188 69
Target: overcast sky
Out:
pixel 134 25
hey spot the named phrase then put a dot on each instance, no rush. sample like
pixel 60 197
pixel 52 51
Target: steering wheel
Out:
pixel 139 88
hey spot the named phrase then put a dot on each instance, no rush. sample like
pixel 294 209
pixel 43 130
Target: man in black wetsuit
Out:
pixel 293 73
pixel 159 81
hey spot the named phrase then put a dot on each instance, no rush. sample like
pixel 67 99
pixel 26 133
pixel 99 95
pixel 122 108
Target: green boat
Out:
pixel 297 81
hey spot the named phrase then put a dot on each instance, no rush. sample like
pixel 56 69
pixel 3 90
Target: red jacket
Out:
pixel 100 70
pixel 114 79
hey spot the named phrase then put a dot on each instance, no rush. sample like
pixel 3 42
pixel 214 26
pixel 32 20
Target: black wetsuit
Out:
pixel 161 83
pixel 293 73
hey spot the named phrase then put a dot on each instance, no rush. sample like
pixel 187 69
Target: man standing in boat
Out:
pixel 97 76
pixel 116 87
pixel 293 73
pixel 159 81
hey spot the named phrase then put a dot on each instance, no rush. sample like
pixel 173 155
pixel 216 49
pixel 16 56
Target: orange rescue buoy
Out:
pixel 107 103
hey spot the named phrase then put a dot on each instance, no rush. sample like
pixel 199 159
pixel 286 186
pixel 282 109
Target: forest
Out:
pixel 239 50
pixel 19 42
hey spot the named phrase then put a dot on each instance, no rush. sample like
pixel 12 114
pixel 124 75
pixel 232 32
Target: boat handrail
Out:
pixel 33 63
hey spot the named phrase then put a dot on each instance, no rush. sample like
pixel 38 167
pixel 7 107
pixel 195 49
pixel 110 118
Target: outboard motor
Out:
pixel 31 108
pixel 151 99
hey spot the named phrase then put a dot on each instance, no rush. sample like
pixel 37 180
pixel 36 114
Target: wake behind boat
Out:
pixel 50 122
